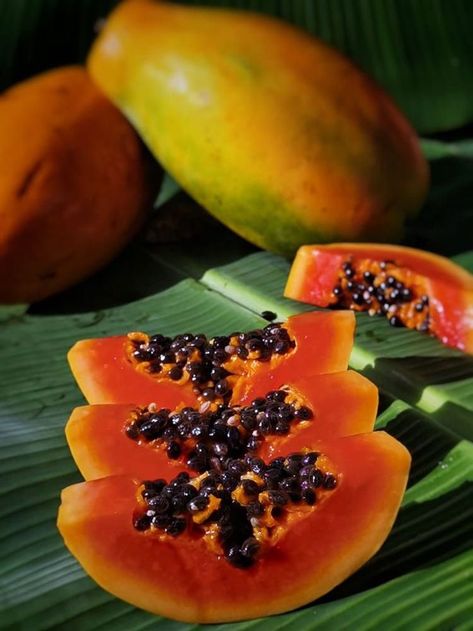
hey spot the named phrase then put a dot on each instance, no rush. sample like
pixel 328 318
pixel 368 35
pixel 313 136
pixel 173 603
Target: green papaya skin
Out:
pixel 276 134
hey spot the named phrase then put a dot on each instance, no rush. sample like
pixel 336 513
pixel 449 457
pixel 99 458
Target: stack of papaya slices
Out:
pixel 230 477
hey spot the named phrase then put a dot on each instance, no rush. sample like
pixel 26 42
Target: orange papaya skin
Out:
pixel 74 186
pixel 100 447
pixel 450 288
pixel 179 578
pixel 276 134
pixel 105 374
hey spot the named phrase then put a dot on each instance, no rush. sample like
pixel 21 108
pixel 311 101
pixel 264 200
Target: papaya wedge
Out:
pixel 190 368
pixel 411 287
pixel 341 404
pixel 180 573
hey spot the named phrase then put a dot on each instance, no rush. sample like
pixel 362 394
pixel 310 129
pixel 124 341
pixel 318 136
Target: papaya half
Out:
pixel 75 183
pixel 176 548
pixel 105 439
pixel 276 134
pixel 411 287
pixel 186 369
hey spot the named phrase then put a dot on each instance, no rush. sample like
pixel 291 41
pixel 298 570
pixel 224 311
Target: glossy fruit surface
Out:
pixel 342 404
pixel 445 288
pixel 276 134
pixel 74 185
pixel 181 578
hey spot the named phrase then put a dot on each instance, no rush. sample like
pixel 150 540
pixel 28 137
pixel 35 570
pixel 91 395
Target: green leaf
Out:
pixel 425 561
pixel 445 222
pixel 421 52
pixel 36 35
pixel 436 149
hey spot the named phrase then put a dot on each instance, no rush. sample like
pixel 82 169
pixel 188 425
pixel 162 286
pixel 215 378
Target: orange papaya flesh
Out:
pixel 413 288
pixel 105 374
pixel 300 551
pixel 103 440
pixel 190 369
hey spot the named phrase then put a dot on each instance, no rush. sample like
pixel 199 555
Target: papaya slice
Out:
pixel 182 567
pixel 338 404
pixel 188 368
pixel 411 287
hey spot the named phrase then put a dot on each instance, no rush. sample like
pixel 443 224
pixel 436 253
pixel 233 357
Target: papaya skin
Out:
pixel 277 135
pixel 75 183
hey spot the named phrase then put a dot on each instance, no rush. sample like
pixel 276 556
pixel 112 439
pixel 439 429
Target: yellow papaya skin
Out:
pixel 279 136
pixel 75 183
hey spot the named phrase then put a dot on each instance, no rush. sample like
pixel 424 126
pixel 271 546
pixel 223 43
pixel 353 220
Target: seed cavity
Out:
pixel 383 288
pixel 238 503
pixel 208 439
pixel 240 510
pixel 207 362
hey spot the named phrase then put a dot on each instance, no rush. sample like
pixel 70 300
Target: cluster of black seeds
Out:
pixel 235 499
pixel 208 439
pixel 202 358
pixel 379 296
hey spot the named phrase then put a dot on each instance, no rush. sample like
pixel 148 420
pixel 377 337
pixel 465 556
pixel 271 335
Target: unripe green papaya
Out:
pixel 276 134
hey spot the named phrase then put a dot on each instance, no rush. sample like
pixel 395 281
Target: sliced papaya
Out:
pixel 192 368
pixel 124 439
pixel 411 287
pixel 208 549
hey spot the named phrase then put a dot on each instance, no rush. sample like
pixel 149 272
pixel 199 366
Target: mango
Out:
pixel 75 183
pixel 276 134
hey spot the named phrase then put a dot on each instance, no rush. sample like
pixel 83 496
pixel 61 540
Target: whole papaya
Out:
pixel 75 183
pixel 276 134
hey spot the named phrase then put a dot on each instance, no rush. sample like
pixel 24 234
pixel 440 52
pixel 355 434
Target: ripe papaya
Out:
pixel 276 134
pixel 75 183
pixel 411 287
pixel 101 443
pixel 143 543
pixel 188 368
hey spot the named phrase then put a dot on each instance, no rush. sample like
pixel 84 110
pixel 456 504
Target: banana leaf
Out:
pixel 421 578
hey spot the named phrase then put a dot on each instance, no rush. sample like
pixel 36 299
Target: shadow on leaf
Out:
pixel 427 444
pixel 424 534
pixel 408 378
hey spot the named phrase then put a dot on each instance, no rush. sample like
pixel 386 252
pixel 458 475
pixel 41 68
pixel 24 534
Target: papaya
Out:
pixel 75 183
pixel 193 549
pixel 275 133
pixel 124 439
pixel 186 369
pixel 411 287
